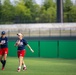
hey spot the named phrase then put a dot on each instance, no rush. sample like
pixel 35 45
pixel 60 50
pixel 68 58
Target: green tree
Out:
pixel 7 11
pixel 73 14
pixel 29 3
pixel 67 5
pixel 48 11
pixel 0 10
pixel 48 3
pixel 22 13
pixel 67 8
pixel 34 9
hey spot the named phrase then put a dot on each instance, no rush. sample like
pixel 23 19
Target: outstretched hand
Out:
pixel 32 51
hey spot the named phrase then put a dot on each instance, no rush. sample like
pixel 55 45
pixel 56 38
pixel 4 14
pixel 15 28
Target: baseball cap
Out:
pixel 3 32
pixel 19 34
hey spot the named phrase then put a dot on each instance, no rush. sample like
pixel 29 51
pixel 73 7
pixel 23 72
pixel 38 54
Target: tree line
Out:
pixel 28 11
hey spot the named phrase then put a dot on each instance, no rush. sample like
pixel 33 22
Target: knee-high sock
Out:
pixel 4 63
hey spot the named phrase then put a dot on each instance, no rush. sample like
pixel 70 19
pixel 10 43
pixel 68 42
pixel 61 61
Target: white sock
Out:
pixel 24 65
pixel 19 67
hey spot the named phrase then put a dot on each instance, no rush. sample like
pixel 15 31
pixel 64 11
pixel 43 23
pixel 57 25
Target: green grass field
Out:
pixel 41 66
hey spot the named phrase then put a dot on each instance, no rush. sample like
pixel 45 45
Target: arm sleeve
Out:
pixel 0 40
pixel 25 42
pixel 6 41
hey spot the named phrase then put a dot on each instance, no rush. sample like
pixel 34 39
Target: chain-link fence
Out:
pixel 40 30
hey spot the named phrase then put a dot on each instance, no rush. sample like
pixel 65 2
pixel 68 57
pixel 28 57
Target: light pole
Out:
pixel 0 10
pixel 60 11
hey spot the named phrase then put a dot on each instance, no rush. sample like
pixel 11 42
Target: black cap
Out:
pixel 3 32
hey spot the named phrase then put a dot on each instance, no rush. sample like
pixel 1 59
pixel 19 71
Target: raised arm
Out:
pixel 17 43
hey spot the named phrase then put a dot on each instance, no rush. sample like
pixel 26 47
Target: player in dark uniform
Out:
pixel 3 48
pixel 21 43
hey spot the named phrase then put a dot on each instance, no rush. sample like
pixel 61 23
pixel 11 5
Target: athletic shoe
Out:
pixel 2 68
pixel 19 70
pixel 24 68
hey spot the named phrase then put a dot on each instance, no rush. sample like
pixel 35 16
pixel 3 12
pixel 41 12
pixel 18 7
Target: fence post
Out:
pixel 8 33
pixel 49 32
pixel 60 31
pixel 39 48
pixel 29 32
pixel 58 49
pixel 70 32
pixel 39 32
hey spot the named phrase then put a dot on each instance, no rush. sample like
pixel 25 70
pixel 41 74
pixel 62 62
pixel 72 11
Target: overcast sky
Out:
pixel 40 1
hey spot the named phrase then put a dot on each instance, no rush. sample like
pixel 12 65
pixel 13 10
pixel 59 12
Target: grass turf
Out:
pixel 41 66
